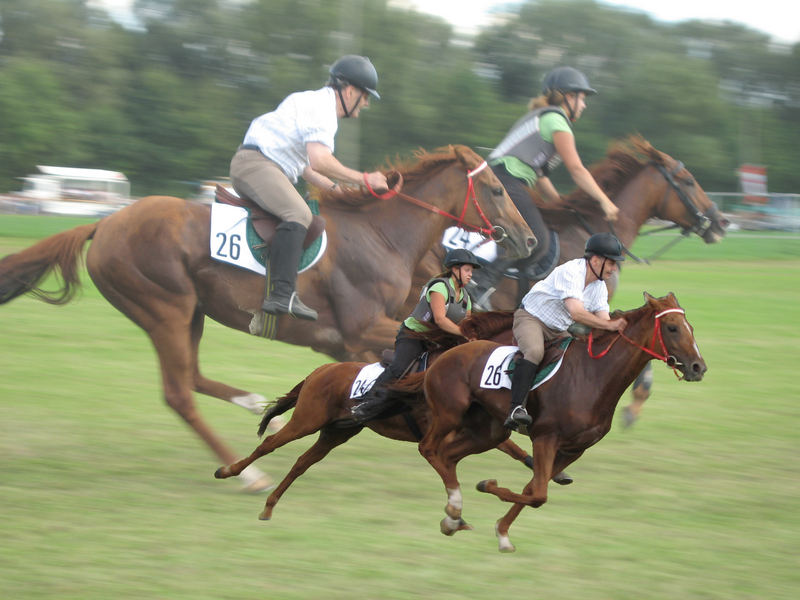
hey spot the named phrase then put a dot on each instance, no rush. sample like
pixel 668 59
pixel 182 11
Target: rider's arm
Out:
pixel 598 320
pixel 547 190
pixel 439 309
pixel 317 179
pixel 565 146
pixel 323 161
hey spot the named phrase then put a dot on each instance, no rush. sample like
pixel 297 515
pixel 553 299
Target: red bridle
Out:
pixel 671 361
pixel 495 232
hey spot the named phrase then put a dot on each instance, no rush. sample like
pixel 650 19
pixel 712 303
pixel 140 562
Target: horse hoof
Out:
pixel 265 516
pixel 507 548
pixel 220 473
pixel 464 526
pixel 628 417
pixel 481 487
pixel 562 478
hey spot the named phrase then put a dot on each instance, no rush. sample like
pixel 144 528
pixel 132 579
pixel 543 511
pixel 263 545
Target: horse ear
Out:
pixel 466 156
pixel 648 298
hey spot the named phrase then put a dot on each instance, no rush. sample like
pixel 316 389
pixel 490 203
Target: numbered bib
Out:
pixel 365 380
pixel 494 374
pixel 455 237
pixel 229 237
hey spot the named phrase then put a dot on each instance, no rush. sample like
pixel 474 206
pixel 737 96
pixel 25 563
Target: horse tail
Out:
pixel 62 253
pixel 280 406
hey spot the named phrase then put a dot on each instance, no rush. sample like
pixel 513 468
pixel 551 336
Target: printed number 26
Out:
pixel 494 376
pixel 229 246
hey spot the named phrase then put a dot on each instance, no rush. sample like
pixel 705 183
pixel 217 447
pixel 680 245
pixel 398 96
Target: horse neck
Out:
pixel 617 370
pixel 637 201
pixel 420 228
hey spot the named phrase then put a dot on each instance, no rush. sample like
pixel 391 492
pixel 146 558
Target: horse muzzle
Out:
pixel 692 370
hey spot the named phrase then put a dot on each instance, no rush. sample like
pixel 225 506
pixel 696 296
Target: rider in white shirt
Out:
pixel 297 139
pixel 574 292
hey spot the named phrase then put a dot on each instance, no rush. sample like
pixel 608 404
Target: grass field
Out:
pixel 106 494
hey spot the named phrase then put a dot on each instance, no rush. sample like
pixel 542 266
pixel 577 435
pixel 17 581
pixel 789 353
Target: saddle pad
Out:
pixel 495 376
pixel 233 239
pixel 365 380
pixel 482 248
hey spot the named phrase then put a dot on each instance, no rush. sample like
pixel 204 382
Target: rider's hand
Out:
pixel 377 181
pixel 611 210
pixel 617 325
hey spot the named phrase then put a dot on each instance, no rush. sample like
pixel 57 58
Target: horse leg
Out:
pixel 329 438
pixel 517 453
pixel 640 393
pixel 255 403
pixel 431 449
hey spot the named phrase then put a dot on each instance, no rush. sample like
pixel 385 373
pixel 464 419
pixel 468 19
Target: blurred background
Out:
pixel 162 91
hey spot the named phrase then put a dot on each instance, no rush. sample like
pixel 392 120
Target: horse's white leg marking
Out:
pixel 454 499
pixel 504 544
pixel 255 403
pixel 255 480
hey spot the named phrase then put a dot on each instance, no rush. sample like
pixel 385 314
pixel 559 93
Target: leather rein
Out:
pixel 665 357
pixel 495 232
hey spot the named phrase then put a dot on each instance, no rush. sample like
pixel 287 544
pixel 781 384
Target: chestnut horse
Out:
pixel 645 184
pixel 322 403
pixel 151 261
pixel 571 411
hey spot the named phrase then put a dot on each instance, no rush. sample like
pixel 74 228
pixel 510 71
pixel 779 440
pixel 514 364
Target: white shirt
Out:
pixel 545 300
pixel 302 117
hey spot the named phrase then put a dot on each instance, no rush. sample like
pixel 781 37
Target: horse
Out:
pixel 151 261
pixel 571 411
pixel 322 403
pixel 644 183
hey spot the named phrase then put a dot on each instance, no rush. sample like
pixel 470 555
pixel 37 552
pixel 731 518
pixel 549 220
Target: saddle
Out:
pixel 266 223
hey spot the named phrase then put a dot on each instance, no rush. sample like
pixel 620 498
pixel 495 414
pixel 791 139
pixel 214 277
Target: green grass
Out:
pixel 105 493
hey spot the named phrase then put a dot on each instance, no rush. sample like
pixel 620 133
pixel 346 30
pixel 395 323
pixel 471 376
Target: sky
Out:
pixel 774 17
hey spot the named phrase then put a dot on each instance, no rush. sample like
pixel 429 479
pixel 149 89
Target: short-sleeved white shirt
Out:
pixel 302 117
pixel 545 300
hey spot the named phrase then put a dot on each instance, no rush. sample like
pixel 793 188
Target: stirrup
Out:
pixel 292 306
pixel 518 416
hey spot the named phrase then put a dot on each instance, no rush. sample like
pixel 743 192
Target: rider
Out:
pixel 297 139
pixel 536 144
pixel 443 303
pixel 573 292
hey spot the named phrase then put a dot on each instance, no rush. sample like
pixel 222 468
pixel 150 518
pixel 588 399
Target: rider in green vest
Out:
pixel 443 303
pixel 536 144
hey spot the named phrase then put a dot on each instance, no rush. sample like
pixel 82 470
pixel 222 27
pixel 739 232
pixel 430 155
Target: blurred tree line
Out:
pixel 167 101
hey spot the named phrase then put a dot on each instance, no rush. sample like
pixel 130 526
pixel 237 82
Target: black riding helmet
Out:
pixel 604 244
pixel 567 79
pixel 355 70
pixel 460 256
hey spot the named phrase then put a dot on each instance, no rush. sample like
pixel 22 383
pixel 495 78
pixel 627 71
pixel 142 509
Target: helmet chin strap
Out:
pixel 602 267
pixel 347 112
pixel 570 108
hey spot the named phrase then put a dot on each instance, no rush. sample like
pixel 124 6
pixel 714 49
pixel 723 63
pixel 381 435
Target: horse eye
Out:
pixel 498 191
pixel 672 328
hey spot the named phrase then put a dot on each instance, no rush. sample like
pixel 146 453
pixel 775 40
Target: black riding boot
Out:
pixel 521 383
pixel 375 401
pixel 285 252
pixel 484 283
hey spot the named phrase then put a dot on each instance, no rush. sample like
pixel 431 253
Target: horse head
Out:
pixel 492 204
pixel 673 336
pixel 684 202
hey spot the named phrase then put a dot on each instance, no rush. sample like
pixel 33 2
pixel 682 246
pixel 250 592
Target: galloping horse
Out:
pixel 571 411
pixel 151 261
pixel 322 403
pixel 644 183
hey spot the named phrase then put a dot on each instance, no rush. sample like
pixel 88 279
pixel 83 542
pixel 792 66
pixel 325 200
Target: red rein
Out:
pixel 656 336
pixel 488 230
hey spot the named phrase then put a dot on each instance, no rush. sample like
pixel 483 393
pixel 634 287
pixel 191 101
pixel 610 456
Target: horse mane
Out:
pixel 420 167
pixel 486 325
pixel 624 160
